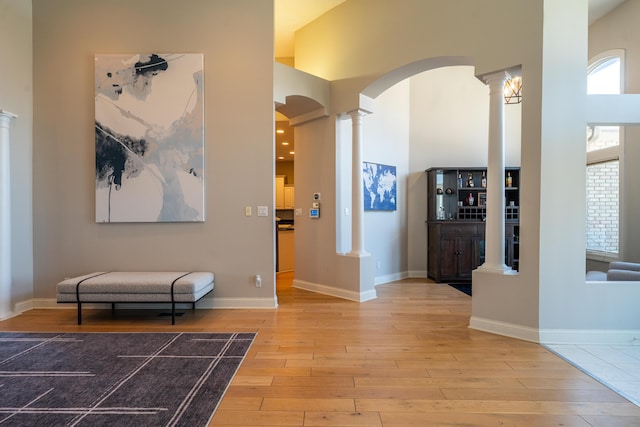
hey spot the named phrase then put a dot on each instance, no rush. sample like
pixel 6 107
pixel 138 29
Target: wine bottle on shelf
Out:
pixel 509 179
pixel 483 180
pixel 470 180
pixel 459 180
pixel 470 199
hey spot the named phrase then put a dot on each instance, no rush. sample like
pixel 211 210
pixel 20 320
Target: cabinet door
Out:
pixel 279 191
pixel 448 258
pixel 289 197
pixel 466 255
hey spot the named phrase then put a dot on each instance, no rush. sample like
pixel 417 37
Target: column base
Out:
pixel 497 269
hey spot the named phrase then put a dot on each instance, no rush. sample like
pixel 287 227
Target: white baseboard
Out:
pixel 590 336
pixel 206 303
pixel 238 303
pixel 381 280
pixel 558 336
pixel 411 274
pixel 335 292
pixel 19 308
pixel 506 329
pixel 417 274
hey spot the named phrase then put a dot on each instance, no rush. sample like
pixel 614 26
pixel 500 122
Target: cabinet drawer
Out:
pixel 459 229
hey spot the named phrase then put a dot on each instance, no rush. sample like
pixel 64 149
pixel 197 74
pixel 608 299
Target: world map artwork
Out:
pixel 149 137
pixel 379 187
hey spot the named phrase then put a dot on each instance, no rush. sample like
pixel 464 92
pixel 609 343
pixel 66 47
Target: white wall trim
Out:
pixel 205 303
pixel 507 329
pixel 590 336
pixel 411 274
pixel 335 292
pixel 19 308
pixel 238 303
pixel 417 274
pixel 558 336
pixel 381 280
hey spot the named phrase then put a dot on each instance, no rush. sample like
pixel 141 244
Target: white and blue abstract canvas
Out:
pixel 379 187
pixel 149 136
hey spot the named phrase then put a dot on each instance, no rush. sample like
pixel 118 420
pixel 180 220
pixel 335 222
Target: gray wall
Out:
pixel 236 39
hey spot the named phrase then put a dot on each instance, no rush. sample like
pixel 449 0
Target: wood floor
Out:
pixel 404 359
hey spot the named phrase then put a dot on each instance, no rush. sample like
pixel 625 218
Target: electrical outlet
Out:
pixel 258 281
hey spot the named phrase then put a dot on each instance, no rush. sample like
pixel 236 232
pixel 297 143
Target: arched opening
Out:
pixel 445 106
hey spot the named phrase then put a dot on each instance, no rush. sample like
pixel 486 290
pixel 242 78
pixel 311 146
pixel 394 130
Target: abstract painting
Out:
pixel 149 133
pixel 379 187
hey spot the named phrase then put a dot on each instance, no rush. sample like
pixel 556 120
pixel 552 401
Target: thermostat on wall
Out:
pixel 314 213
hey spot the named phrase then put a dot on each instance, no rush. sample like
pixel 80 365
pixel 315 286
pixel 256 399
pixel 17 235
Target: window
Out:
pixel 603 165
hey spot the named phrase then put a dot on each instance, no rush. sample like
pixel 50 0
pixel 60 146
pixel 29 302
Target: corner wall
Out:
pixel 386 136
pixel 16 96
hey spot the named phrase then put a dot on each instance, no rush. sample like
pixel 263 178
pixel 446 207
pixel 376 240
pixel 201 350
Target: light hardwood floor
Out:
pixel 407 358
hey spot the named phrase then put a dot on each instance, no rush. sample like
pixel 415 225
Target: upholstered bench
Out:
pixel 136 287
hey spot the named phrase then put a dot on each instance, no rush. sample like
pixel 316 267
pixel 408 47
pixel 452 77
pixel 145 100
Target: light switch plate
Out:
pixel 263 210
pixel 247 211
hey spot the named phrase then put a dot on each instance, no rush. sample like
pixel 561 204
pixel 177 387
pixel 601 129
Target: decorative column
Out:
pixel 494 231
pixel 357 193
pixel 5 216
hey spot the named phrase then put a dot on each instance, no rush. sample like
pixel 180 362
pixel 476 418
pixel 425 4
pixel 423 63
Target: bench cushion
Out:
pixel 119 286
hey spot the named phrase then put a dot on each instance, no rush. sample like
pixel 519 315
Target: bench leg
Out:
pixel 173 313
pixel 79 313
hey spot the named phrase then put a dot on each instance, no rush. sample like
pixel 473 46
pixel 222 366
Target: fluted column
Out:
pixel 357 193
pixel 494 231
pixel 5 216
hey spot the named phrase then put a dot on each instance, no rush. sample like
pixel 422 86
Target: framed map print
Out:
pixel 379 183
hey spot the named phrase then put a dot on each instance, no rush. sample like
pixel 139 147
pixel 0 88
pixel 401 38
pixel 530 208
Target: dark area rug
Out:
pixel 116 379
pixel 462 287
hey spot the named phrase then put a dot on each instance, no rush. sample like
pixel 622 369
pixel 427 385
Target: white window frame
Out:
pixel 609 153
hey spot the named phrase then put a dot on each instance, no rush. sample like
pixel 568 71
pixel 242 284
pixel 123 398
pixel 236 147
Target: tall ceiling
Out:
pixel 291 15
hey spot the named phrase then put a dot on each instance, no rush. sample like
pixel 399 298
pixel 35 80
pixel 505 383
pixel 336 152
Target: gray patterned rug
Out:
pixel 116 379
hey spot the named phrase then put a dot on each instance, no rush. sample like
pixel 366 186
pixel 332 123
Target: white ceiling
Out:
pixel 291 15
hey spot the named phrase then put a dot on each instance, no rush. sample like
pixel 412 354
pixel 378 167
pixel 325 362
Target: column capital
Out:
pixel 5 118
pixel 497 78
pixel 358 113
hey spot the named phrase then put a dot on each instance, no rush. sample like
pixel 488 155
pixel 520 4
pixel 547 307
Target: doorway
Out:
pixel 285 201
